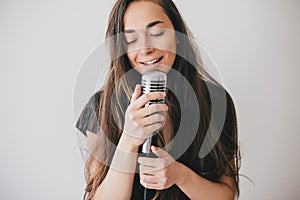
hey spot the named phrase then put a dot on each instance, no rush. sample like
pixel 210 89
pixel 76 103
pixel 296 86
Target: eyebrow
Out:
pixel 148 26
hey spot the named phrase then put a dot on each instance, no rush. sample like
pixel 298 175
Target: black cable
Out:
pixel 145 190
pixel 145 194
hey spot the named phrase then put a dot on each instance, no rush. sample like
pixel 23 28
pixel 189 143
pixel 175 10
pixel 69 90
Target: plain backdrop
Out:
pixel 255 45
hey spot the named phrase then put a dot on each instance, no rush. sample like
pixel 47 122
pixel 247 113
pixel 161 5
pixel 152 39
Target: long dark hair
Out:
pixel 222 159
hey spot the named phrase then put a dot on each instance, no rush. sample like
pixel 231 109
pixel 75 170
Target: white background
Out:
pixel 255 45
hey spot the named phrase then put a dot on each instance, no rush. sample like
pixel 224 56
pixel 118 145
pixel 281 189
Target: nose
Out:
pixel 146 50
pixel 146 47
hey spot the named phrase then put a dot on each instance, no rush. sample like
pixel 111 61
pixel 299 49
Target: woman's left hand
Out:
pixel 159 173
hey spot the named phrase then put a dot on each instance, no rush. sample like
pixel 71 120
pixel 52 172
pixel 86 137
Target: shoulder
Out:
pixel 88 119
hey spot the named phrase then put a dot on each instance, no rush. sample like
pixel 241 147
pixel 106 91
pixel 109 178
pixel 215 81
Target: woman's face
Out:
pixel 150 37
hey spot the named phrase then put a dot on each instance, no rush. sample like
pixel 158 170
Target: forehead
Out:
pixel 140 13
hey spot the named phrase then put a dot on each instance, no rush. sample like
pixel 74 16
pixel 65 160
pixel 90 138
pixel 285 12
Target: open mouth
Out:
pixel 151 62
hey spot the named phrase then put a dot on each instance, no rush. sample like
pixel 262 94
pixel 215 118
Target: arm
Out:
pixel 162 172
pixel 139 124
pixel 119 179
pixel 197 187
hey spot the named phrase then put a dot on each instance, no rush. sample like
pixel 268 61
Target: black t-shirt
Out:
pixel 88 120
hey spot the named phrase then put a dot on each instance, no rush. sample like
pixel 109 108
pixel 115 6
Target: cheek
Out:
pixel 166 43
pixel 169 47
pixel 131 57
pixel 171 44
pixel 170 59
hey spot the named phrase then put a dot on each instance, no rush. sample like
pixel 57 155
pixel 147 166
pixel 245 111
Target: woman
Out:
pixel 118 108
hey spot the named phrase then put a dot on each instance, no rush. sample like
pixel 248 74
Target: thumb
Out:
pixel 136 93
pixel 159 152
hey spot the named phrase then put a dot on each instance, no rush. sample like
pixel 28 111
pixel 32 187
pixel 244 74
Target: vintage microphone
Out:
pixel 152 81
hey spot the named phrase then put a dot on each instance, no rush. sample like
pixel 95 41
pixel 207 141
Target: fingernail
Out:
pixel 154 147
pixel 166 107
pixel 136 86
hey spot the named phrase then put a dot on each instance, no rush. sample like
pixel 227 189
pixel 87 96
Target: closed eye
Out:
pixel 158 34
pixel 130 42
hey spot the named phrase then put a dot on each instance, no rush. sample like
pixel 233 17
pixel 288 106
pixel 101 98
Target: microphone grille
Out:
pixel 154 81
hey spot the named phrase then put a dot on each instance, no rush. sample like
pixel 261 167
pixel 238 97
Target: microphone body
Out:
pixel 153 81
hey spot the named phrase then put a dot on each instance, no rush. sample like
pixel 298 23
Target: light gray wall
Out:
pixel 255 45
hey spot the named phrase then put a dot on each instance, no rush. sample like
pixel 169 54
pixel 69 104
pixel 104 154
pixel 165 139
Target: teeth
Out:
pixel 150 62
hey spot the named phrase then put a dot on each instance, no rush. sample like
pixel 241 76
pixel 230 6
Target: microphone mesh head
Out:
pixel 154 81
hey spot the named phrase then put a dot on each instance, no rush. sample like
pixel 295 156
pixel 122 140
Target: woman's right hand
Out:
pixel 141 121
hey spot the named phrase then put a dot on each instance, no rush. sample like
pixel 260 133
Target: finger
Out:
pixel 136 93
pixel 153 127
pixel 153 108
pixel 155 118
pixel 161 153
pixel 145 98
pixel 148 179
pixel 147 170
pixel 155 186
pixel 149 162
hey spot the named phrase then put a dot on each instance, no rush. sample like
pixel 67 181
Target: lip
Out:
pixel 154 64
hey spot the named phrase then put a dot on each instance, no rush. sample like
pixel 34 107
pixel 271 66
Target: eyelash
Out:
pixel 159 34
pixel 130 42
pixel 155 35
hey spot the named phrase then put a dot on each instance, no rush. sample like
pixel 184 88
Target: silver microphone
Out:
pixel 153 81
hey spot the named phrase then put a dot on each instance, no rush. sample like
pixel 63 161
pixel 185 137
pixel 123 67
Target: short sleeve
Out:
pixel 88 119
